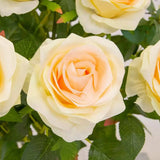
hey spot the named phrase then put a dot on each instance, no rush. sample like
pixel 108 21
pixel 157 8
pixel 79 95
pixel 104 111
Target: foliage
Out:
pixel 24 136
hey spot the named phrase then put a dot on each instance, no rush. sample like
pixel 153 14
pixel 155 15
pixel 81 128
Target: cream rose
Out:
pixel 76 83
pixel 144 79
pixel 107 16
pixel 13 70
pixel 8 7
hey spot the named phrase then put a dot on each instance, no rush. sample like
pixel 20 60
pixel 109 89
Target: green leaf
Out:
pixel 151 8
pixel 14 31
pixel 23 112
pixel 69 151
pixel 157 33
pixel 27 46
pixel 147 33
pixel 67 5
pixel 62 30
pixel 68 16
pixel 6 148
pixel 106 146
pixel 126 47
pixel 11 116
pixel 53 6
pixel 19 130
pixel 132 135
pixel 16 153
pixel 39 149
pixel 78 29
pixel 100 131
pixel 142 35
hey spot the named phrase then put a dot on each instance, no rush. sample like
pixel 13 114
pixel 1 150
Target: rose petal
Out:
pixel 12 6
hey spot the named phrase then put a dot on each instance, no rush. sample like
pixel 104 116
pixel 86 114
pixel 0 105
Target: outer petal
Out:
pixel 41 56
pixel 68 127
pixel 127 21
pixel 17 84
pixel 149 58
pixel 8 7
pixel 88 23
pixel 95 23
pixel 136 85
pixel 117 106
pixel 155 103
pixel 8 66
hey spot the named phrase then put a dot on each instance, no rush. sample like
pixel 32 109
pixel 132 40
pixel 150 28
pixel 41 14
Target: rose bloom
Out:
pixel 8 7
pixel 107 16
pixel 75 84
pixel 144 79
pixel 13 70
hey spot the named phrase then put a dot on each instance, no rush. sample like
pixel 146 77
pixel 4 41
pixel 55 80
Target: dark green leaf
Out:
pixel 62 30
pixel 126 47
pixel 151 8
pixel 143 35
pixel 67 5
pixel 39 149
pixel 19 130
pixel 132 135
pixel 27 46
pixel 11 116
pixel 68 151
pixel 78 29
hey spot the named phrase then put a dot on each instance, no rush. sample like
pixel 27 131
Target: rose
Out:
pixel 13 70
pixel 107 16
pixel 9 7
pixel 144 79
pixel 75 84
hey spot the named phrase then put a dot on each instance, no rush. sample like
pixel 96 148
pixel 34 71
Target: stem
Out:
pixel 54 25
pixel 35 122
pixel 5 130
pixel 43 21
pixel 88 140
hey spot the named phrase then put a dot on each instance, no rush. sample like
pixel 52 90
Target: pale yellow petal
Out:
pixel 12 6
pixel 17 84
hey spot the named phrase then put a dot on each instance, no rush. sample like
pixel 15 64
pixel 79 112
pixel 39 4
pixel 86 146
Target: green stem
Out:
pixel 88 140
pixel 43 21
pixel 5 130
pixel 35 122
pixel 54 25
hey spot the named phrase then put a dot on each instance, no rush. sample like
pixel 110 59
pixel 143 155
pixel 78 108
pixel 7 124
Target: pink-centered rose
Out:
pixel 75 84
